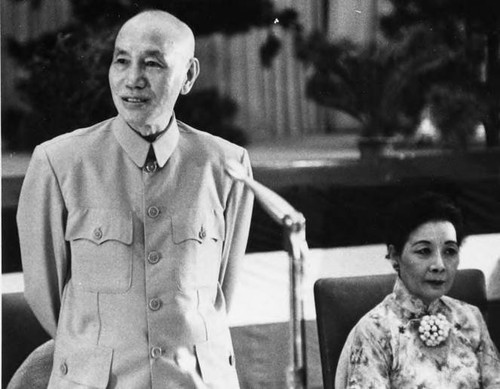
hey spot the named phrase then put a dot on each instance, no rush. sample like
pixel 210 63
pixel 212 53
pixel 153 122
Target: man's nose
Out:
pixel 136 77
pixel 437 264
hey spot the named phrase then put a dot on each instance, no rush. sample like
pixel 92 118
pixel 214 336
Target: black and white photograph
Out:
pixel 250 194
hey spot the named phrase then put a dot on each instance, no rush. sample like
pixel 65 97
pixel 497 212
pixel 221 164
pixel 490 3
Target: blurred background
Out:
pixel 271 69
pixel 344 106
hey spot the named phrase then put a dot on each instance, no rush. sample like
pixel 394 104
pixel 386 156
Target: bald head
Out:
pixel 153 62
pixel 160 27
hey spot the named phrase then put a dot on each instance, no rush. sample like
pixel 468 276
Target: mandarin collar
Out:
pixel 137 147
pixel 413 304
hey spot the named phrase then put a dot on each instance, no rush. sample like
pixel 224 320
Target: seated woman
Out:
pixel 417 337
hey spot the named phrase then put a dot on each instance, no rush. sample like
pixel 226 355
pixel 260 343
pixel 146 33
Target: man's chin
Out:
pixel 136 125
pixel 134 121
pixel 143 122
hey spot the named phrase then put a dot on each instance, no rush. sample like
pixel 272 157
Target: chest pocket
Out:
pixel 101 249
pixel 197 235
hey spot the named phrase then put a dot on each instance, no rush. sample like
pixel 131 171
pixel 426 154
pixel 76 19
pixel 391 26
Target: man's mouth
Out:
pixel 135 100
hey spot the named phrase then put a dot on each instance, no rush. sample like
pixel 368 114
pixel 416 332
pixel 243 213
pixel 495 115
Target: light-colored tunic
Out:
pixel 122 266
pixel 384 350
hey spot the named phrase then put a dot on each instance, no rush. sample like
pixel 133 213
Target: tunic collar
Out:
pixel 413 304
pixel 137 147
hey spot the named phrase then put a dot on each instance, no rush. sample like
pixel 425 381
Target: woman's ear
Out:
pixel 191 76
pixel 393 257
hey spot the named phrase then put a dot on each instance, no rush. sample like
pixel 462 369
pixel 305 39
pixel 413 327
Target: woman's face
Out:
pixel 429 260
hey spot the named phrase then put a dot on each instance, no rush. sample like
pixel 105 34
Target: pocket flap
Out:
pixel 99 225
pixel 197 224
pixel 217 365
pixel 87 365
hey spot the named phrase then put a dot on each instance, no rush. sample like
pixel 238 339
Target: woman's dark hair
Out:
pixel 408 214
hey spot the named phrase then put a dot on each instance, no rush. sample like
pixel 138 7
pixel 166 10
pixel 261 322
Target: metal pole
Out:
pixel 294 231
pixel 295 243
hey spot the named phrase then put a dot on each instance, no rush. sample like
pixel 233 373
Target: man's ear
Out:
pixel 191 76
pixel 393 257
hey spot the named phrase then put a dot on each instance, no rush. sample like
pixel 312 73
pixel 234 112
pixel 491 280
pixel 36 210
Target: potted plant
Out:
pixel 458 115
pixel 357 80
pixel 382 85
pixel 470 32
pixel 385 84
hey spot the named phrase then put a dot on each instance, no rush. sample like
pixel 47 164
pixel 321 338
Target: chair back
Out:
pixel 21 333
pixel 341 302
pixel 34 372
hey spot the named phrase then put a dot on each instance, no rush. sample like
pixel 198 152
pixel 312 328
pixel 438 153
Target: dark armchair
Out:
pixel 21 334
pixel 341 302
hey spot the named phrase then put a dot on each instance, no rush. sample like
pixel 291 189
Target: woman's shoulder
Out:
pixel 379 320
pixel 461 308
pixel 463 314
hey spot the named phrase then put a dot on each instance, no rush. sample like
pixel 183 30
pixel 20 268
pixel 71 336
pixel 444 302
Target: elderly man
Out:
pixel 131 232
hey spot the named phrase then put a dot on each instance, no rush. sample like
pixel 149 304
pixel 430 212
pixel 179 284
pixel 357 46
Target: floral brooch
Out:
pixel 434 329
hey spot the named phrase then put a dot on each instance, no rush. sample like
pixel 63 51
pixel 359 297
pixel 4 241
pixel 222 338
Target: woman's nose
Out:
pixel 437 264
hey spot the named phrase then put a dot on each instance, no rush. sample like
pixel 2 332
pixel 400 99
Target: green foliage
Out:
pixel 481 16
pixel 433 55
pixel 211 112
pixel 350 78
pixel 471 31
pixel 204 16
pixel 456 112
pixel 383 86
pixel 288 20
pixel 65 74
pixel 65 84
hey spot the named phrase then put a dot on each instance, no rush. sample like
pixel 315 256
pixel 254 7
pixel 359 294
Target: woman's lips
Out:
pixel 436 282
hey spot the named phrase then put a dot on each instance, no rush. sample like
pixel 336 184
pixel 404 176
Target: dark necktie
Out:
pixel 151 165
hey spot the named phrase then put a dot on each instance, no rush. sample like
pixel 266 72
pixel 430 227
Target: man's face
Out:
pixel 429 260
pixel 146 76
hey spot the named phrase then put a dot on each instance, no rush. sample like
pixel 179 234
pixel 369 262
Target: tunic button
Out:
pixel 97 233
pixel 155 352
pixel 154 257
pixel 231 359
pixel 63 368
pixel 151 167
pixel 202 234
pixel 153 211
pixel 155 304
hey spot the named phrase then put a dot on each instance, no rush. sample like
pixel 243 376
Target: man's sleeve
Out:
pixel 41 219
pixel 238 215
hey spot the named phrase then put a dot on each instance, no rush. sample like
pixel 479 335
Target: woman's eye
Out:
pixel 451 252
pixel 423 251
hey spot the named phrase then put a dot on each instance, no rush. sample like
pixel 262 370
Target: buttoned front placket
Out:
pixel 151 161
pixel 156 265
pixel 154 218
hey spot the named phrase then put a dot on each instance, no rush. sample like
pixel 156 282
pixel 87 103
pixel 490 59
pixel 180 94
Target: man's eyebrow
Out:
pixel 119 51
pixel 152 52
